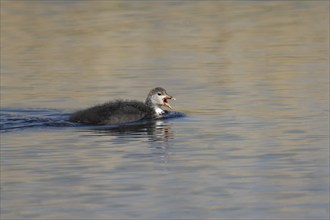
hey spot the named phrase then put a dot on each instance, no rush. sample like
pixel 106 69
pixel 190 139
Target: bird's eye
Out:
pixel 159 93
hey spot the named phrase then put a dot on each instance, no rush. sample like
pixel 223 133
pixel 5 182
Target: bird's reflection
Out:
pixel 157 135
pixel 154 131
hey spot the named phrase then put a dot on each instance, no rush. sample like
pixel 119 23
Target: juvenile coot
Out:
pixel 120 111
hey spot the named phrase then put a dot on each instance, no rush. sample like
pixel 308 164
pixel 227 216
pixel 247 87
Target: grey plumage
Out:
pixel 124 111
pixel 116 112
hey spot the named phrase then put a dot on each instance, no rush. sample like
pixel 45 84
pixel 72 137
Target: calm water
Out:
pixel 251 77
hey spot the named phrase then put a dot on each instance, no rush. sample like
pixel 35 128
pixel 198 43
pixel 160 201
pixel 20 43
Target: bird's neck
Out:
pixel 158 111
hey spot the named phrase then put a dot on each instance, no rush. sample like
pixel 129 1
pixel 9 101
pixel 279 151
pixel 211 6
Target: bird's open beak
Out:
pixel 165 101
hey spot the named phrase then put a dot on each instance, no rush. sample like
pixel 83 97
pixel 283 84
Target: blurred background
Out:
pixel 252 77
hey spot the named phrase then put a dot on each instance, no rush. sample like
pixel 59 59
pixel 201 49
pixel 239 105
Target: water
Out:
pixel 251 77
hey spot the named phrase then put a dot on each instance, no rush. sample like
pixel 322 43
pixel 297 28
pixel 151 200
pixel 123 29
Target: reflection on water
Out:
pixel 156 130
pixel 252 77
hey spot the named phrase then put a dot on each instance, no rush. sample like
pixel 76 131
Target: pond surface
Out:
pixel 250 76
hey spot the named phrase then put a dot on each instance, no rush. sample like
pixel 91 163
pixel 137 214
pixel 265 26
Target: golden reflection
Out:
pixel 61 54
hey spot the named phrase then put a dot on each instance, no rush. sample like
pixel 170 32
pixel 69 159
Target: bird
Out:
pixel 125 111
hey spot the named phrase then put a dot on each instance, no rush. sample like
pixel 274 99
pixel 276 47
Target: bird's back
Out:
pixel 116 112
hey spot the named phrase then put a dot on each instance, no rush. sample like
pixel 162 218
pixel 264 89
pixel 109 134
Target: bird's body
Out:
pixel 116 112
pixel 123 111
